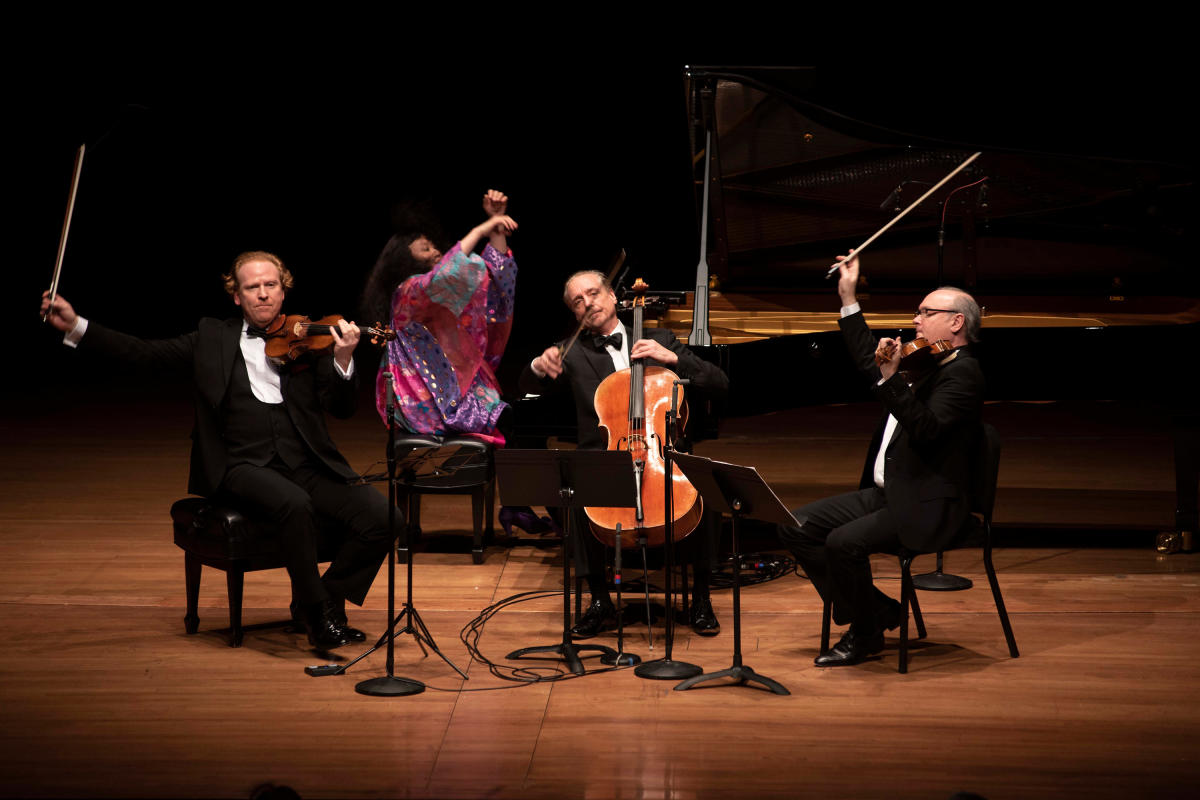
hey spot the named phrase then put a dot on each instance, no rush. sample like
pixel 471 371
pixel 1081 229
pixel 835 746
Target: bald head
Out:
pixel 948 313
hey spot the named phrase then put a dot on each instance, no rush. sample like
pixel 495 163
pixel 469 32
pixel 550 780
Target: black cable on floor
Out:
pixel 755 568
pixel 515 675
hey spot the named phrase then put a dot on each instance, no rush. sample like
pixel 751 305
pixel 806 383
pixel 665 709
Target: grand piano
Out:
pixel 1080 262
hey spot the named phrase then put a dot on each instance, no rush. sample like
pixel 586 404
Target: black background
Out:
pixel 203 144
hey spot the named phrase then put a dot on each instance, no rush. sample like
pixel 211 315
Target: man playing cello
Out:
pixel 603 349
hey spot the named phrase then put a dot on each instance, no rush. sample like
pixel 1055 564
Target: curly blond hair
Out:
pixel 230 278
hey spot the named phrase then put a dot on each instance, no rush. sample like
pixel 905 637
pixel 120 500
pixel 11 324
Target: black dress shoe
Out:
pixel 704 619
pixel 339 616
pixel 324 633
pixel 853 648
pixel 600 615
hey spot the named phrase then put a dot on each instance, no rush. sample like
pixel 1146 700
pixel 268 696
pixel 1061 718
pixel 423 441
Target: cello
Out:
pixel 632 405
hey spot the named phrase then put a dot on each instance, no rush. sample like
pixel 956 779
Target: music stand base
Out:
pixel 567 651
pixel 389 686
pixel 941 582
pixel 741 674
pixel 664 669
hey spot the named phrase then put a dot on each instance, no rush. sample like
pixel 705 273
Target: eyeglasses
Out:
pixel 929 312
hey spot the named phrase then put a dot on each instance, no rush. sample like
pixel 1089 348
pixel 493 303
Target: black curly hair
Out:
pixel 395 264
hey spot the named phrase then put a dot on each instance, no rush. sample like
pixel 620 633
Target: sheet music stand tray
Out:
pixel 566 479
pixel 742 493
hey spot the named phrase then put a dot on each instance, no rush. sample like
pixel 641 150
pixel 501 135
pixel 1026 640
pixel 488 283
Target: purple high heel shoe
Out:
pixel 524 518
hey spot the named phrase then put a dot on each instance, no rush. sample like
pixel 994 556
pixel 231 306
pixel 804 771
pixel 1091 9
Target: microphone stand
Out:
pixel 665 668
pixel 389 685
pixel 619 658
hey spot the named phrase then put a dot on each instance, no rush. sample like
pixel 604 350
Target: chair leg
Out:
pixel 916 612
pixel 489 513
pixel 410 530
pixel 191 570
pixel 477 504
pixel 414 506
pixel 685 591
pixel 234 580
pixel 995 584
pixel 826 613
pixel 906 598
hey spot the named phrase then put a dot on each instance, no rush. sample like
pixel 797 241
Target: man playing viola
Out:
pixel 260 440
pixel 604 348
pixel 914 484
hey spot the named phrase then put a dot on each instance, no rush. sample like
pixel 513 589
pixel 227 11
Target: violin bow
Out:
pixel 858 250
pixel 62 239
pixel 612 273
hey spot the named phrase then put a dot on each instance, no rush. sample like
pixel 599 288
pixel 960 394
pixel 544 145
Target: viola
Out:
pixel 632 407
pixel 291 337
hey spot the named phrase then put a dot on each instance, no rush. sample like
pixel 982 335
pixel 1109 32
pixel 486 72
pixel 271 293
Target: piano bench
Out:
pixel 221 537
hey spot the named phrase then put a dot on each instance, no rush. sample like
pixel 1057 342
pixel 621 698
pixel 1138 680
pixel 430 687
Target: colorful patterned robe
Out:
pixel 452 324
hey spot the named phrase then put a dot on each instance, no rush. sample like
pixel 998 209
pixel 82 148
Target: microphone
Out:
pixel 893 200
pixel 616 286
pixel 982 201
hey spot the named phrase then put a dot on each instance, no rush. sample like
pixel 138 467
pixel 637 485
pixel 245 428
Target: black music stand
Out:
pixel 566 479
pixel 740 492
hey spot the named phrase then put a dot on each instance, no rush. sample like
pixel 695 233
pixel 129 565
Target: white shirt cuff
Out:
pixel 853 308
pixel 533 366
pixel 71 338
pixel 345 373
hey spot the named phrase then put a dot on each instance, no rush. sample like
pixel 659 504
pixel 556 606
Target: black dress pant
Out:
pixel 294 499
pixel 834 544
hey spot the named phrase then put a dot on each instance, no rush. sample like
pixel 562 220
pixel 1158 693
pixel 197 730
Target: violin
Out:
pixel 916 357
pixel 291 337
pixel 632 405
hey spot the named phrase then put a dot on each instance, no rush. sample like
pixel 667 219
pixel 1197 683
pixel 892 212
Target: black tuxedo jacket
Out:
pixel 211 352
pixel 927 471
pixel 584 368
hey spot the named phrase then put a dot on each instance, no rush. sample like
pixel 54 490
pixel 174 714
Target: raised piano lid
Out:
pixel 1056 240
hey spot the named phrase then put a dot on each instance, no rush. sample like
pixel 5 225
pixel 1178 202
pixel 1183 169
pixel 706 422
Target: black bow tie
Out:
pixel 253 332
pixel 612 340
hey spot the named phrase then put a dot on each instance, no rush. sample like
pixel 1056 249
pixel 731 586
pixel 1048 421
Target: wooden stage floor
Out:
pixel 105 696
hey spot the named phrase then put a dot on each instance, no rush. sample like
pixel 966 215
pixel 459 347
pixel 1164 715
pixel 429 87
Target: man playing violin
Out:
pixel 914 485
pixel 260 440
pixel 603 349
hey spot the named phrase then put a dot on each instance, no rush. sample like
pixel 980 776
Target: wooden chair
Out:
pixel 477 481
pixel 983 499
